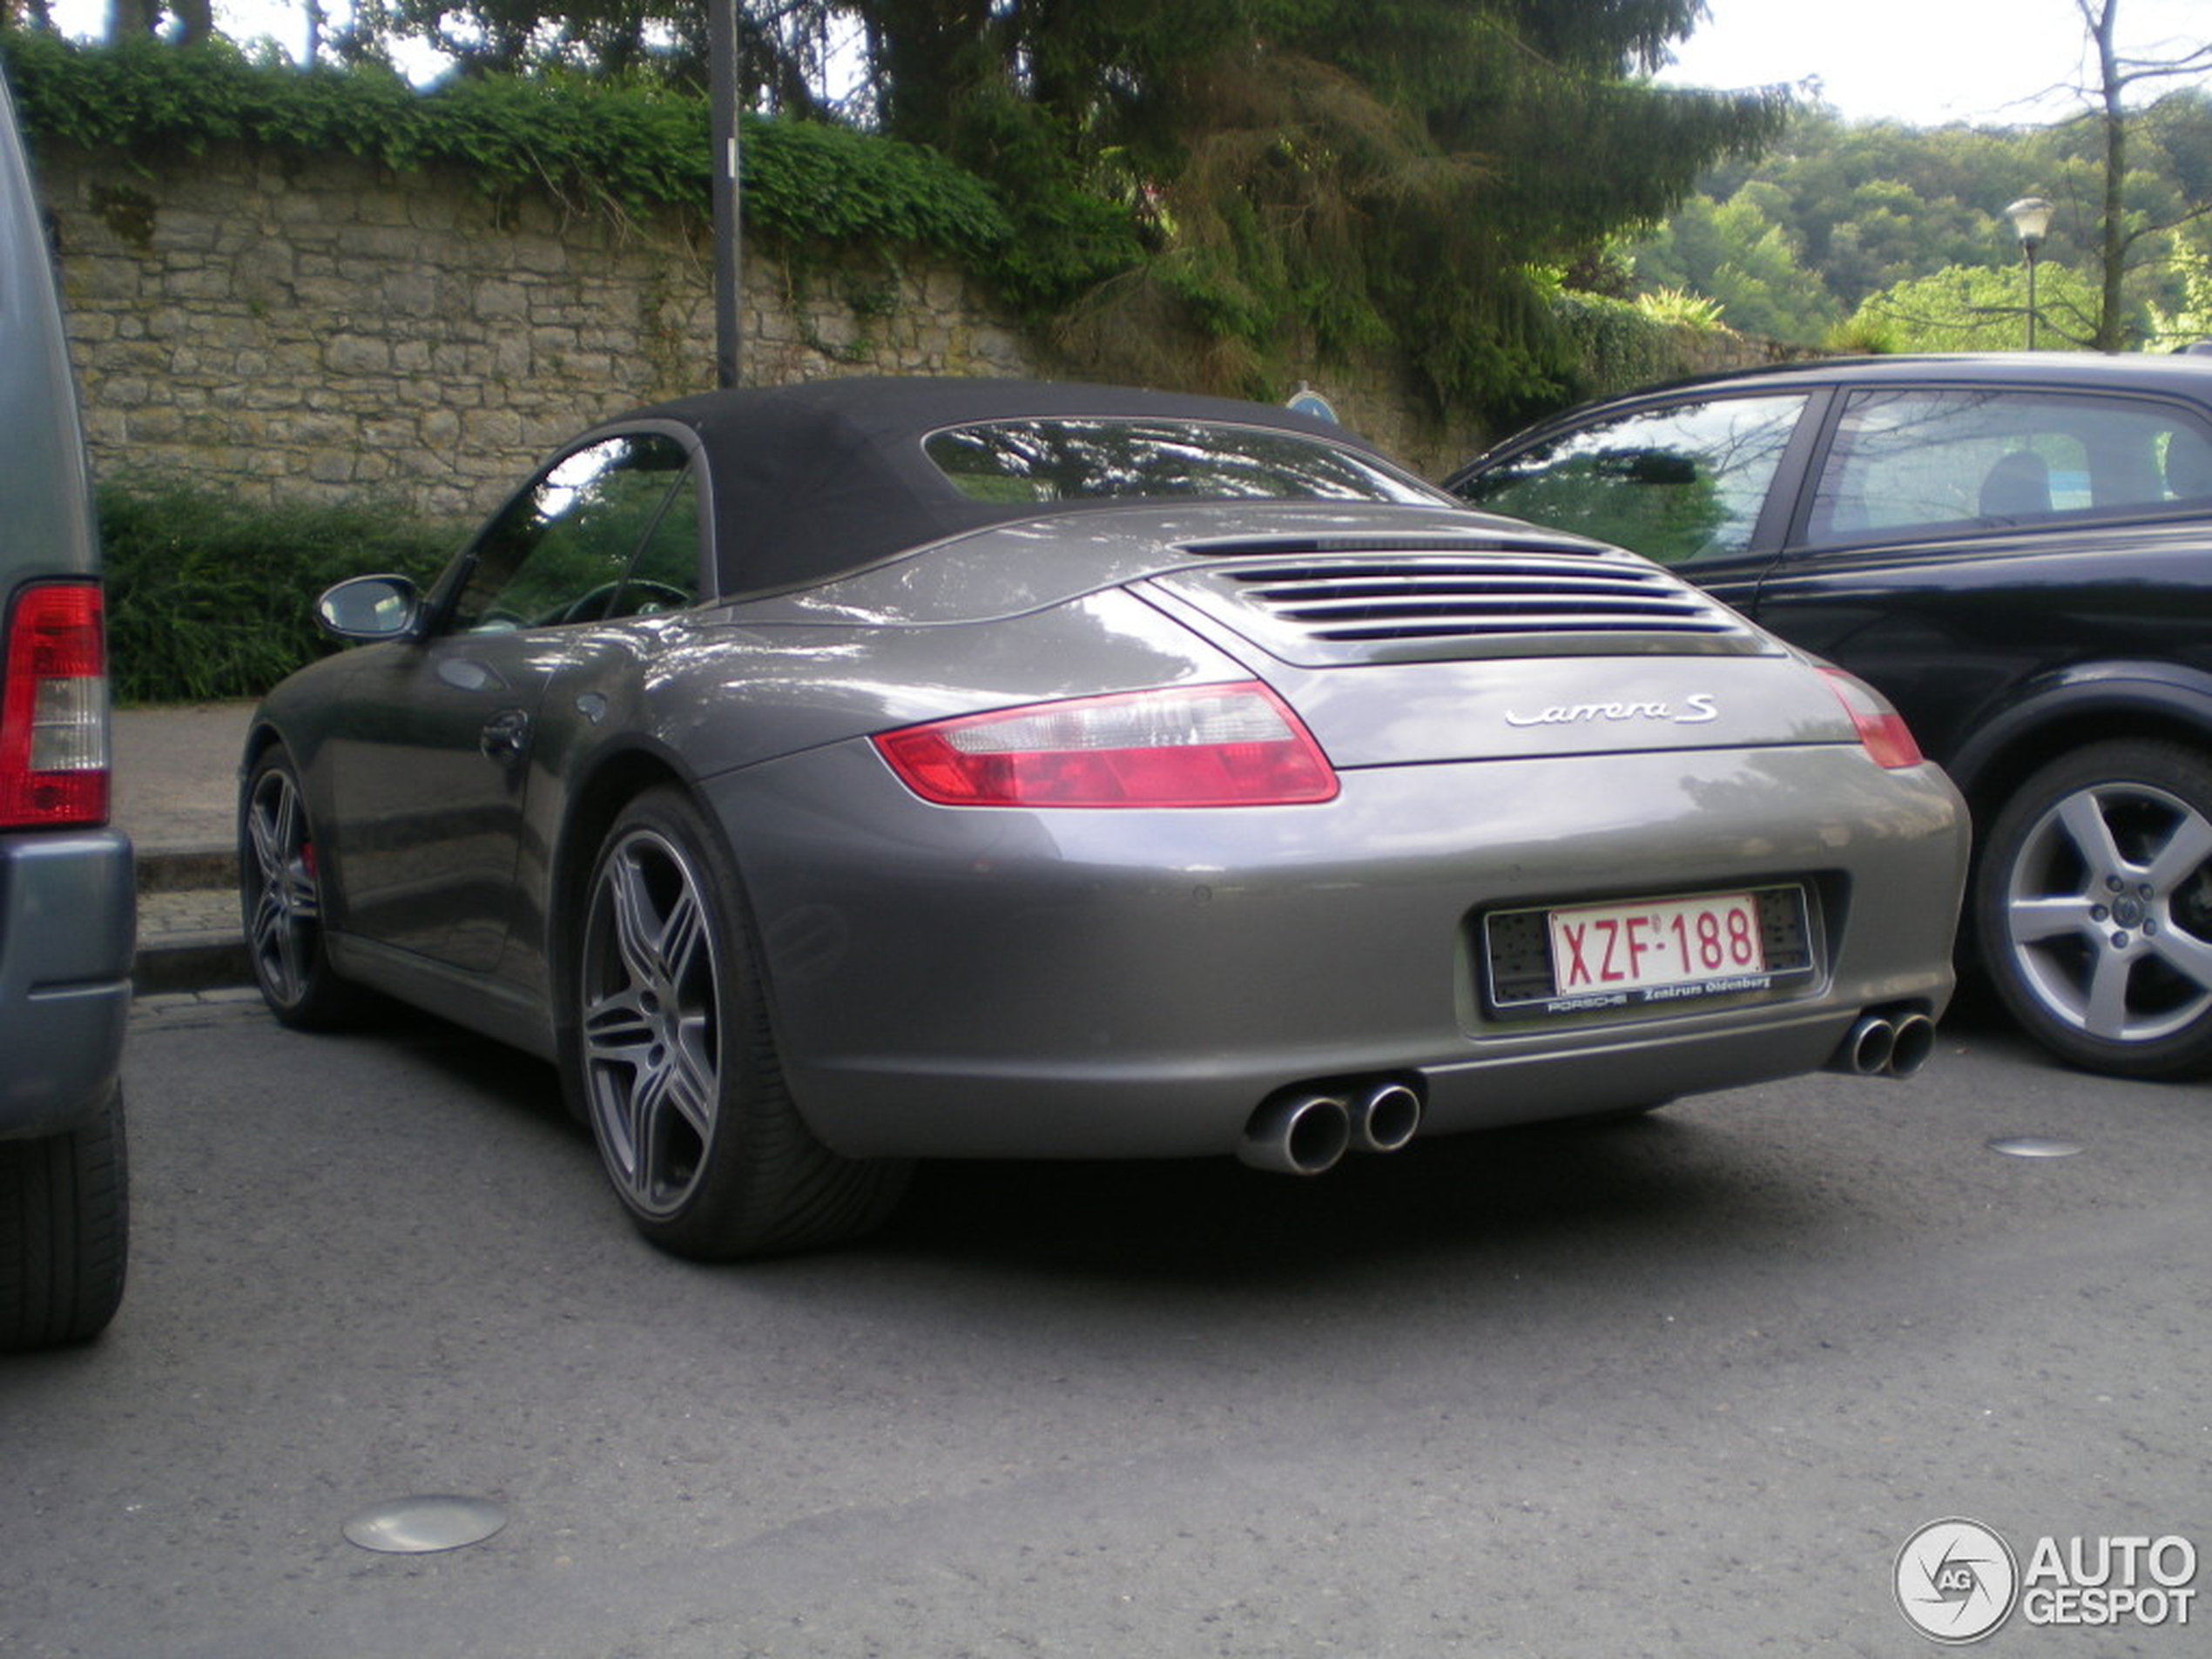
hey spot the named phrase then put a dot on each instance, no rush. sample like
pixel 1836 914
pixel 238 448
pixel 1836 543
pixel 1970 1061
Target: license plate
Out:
pixel 1597 948
pixel 1641 953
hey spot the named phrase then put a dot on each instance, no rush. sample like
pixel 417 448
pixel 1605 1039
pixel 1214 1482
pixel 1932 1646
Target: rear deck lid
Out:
pixel 1400 650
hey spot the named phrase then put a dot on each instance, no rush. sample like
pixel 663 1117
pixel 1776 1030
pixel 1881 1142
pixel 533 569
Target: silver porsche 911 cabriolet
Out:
pixel 842 774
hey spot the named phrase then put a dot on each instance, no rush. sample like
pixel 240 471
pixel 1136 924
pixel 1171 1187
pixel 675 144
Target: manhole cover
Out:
pixel 422 1526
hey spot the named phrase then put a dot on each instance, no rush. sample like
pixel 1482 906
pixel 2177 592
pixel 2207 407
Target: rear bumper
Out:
pixel 67 927
pixel 995 983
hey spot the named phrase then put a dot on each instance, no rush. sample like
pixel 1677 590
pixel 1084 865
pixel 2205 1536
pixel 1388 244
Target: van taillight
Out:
pixel 53 710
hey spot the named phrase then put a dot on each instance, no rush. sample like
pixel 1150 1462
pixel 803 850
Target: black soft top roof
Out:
pixel 813 480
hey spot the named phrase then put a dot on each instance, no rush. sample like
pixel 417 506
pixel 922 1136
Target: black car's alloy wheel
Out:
pixel 674 1060
pixel 2094 907
pixel 280 897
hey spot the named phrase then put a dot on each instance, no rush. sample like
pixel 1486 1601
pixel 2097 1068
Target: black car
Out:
pixel 2016 550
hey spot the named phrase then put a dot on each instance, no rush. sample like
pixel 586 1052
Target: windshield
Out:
pixel 1076 459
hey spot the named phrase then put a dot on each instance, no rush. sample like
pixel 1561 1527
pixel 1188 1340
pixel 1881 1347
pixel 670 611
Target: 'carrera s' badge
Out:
pixel 1695 710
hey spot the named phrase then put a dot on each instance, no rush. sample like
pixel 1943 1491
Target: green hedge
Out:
pixel 1621 347
pixel 210 598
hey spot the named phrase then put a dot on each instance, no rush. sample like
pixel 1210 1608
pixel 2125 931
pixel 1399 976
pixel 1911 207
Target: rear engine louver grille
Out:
pixel 1347 607
pixel 1378 601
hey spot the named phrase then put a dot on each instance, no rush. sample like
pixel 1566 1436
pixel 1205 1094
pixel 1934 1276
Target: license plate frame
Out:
pixel 1532 964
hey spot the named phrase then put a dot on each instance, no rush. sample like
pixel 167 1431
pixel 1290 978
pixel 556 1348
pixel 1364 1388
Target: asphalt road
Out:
pixel 1682 1385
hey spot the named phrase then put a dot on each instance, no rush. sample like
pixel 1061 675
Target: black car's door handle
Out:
pixel 506 737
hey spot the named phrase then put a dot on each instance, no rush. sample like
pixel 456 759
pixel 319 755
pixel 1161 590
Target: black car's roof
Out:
pixel 2186 374
pixel 826 476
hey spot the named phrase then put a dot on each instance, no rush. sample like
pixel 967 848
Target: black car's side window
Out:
pixel 1985 460
pixel 563 550
pixel 1678 484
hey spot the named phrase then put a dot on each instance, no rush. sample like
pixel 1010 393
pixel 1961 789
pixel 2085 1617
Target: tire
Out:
pixel 2092 906
pixel 65 1232
pixel 280 901
pixel 668 1048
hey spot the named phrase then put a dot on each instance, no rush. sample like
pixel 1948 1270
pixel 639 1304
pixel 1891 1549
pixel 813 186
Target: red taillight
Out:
pixel 53 710
pixel 1888 740
pixel 1200 746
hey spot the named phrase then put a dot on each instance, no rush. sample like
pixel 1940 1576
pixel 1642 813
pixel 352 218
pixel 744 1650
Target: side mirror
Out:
pixel 368 607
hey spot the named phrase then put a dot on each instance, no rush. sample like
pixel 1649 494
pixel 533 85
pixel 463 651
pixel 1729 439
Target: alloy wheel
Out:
pixel 285 907
pixel 650 1008
pixel 2109 912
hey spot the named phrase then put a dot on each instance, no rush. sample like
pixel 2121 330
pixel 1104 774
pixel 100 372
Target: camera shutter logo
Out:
pixel 1957 1581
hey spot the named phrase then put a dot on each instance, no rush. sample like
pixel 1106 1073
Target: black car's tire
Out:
pixel 669 1051
pixel 280 901
pixel 2093 908
pixel 65 1232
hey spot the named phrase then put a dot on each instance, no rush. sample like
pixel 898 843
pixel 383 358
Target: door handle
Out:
pixel 506 737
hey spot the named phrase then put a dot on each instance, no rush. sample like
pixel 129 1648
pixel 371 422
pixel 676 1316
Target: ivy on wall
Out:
pixel 1619 347
pixel 630 149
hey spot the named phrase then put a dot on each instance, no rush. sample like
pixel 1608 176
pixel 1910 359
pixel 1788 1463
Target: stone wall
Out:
pixel 329 330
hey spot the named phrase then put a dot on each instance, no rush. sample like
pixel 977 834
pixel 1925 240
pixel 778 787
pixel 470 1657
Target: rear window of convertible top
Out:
pixel 1066 459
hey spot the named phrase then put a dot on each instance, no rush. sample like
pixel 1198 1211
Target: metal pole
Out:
pixel 722 52
pixel 2031 216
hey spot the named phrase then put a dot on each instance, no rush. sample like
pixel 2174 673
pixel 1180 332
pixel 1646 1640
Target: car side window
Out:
pixel 563 550
pixel 1678 484
pixel 1983 459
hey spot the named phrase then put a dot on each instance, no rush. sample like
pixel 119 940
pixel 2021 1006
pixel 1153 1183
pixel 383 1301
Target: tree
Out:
pixel 129 17
pixel 1972 308
pixel 1340 173
pixel 2190 320
pixel 1735 253
pixel 35 15
pixel 195 19
pixel 2118 233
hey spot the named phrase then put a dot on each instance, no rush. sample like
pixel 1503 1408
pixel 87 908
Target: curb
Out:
pixel 196 962
pixel 189 935
pixel 187 868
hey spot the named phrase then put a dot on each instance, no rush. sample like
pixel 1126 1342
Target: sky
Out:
pixel 1926 62
pixel 1929 62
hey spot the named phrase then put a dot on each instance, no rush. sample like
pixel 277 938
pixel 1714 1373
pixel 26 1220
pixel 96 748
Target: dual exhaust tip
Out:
pixel 1881 1044
pixel 1307 1132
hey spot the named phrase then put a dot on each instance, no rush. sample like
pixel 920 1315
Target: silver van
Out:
pixel 67 905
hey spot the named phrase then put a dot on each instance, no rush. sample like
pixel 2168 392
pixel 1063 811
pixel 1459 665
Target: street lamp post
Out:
pixel 2031 216
pixel 722 54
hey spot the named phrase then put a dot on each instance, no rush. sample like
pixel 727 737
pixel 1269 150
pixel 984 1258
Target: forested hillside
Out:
pixel 1844 225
